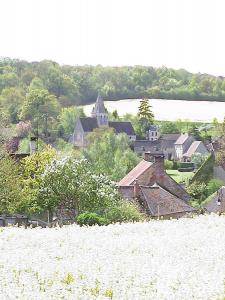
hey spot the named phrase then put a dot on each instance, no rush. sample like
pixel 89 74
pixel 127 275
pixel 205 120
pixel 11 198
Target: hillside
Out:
pixel 79 84
pixel 178 259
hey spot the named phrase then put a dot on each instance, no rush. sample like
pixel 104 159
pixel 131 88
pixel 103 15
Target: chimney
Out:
pixel 136 189
pixel 156 157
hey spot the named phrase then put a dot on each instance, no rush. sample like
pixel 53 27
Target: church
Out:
pixel 98 119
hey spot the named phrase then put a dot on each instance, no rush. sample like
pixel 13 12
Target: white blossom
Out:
pixel 175 259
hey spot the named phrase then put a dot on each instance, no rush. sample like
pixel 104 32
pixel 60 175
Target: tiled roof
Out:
pixel 181 139
pixel 148 145
pixel 192 149
pixel 135 173
pixel 170 136
pixel 157 200
pixel 161 202
pixel 122 127
pixel 89 124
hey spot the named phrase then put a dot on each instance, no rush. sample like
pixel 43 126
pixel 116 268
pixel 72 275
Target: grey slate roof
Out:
pixel 99 106
pixel 181 139
pixel 89 124
pixel 154 128
pixel 122 127
pixel 192 149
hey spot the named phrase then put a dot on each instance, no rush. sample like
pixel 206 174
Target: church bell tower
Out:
pixel 100 112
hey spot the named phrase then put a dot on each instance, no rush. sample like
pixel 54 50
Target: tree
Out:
pixel 110 154
pixel 68 118
pixel 40 107
pixel 70 184
pixel 169 127
pixel 11 101
pixel 145 115
pixel 32 170
pixel 11 191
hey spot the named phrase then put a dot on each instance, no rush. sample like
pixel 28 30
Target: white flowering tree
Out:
pixel 69 184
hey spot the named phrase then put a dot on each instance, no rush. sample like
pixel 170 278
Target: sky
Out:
pixel 185 34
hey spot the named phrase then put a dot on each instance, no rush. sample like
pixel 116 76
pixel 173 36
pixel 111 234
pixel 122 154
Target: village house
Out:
pixel 156 192
pixel 174 146
pixel 99 118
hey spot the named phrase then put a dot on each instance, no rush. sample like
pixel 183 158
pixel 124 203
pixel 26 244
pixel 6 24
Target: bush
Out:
pixel 168 164
pixel 198 191
pixel 213 186
pixel 189 169
pixel 124 212
pixel 91 219
pixel 175 165
pixel 186 165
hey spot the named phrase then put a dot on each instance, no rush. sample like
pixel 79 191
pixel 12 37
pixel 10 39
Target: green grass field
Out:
pixel 180 176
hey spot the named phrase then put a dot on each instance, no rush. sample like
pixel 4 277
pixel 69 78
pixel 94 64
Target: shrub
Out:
pixel 213 186
pixel 91 219
pixel 175 165
pixel 124 212
pixel 168 164
pixel 197 190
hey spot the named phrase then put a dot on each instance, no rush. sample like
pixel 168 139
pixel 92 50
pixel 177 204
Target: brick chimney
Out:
pixel 156 157
pixel 136 189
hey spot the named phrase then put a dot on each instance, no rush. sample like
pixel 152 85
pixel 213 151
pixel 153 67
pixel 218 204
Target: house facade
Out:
pixel 174 146
pixel 98 119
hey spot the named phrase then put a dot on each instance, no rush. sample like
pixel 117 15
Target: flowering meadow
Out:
pixel 174 259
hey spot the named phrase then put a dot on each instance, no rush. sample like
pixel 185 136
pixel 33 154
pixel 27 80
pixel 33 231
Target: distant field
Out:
pixel 162 260
pixel 169 110
pixel 180 176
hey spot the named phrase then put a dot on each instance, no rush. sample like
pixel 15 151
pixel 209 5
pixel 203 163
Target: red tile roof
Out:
pixel 135 173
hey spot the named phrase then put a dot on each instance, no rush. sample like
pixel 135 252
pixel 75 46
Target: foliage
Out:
pixel 169 127
pixel 70 184
pixel 32 169
pixel 198 159
pixel 23 128
pixel 11 101
pixel 91 219
pixel 40 107
pixel 213 186
pixel 124 211
pixel 197 190
pixel 62 146
pixel 220 156
pixel 145 116
pixel 110 154
pixel 168 164
pixel 201 191
pixel 10 185
pixel 68 118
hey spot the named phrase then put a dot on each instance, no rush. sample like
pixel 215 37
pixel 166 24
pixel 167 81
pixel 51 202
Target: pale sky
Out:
pixel 186 34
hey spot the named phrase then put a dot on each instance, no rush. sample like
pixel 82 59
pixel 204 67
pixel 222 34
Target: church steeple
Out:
pixel 100 112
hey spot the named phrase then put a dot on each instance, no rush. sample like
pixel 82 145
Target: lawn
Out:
pixel 180 176
pixel 176 259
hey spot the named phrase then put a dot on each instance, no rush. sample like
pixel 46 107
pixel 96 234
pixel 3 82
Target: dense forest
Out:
pixel 79 84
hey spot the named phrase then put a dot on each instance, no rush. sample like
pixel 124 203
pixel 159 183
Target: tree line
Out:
pixel 78 85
